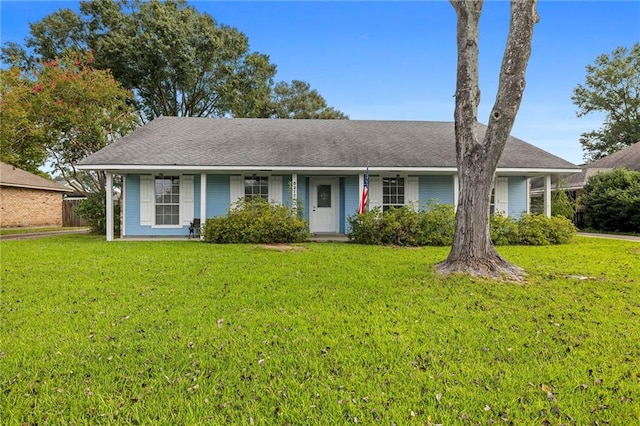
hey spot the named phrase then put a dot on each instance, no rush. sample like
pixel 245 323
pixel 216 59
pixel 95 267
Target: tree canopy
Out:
pixel 298 100
pixel 62 110
pixel 176 60
pixel 611 201
pixel 612 87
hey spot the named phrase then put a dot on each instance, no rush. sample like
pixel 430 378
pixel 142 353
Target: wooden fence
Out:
pixel 69 216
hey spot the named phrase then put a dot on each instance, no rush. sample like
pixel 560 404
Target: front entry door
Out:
pixel 323 205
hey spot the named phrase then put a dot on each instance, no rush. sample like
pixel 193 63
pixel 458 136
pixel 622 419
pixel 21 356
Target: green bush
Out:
pixel 538 230
pixel 365 227
pixel 435 226
pixel 403 226
pixel 256 221
pixel 438 224
pixel 93 210
pixel 611 201
pixel 503 230
pixel 561 204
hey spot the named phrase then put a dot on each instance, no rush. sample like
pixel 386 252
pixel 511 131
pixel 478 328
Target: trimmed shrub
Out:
pixel 403 226
pixel 438 224
pixel 503 230
pixel 256 221
pixel 365 227
pixel 611 201
pixel 539 230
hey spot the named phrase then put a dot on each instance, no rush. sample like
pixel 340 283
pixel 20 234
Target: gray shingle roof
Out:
pixel 219 142
pixel 628 158
pixel 13 176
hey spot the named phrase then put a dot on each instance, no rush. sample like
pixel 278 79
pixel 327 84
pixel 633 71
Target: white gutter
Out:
pixel 325 169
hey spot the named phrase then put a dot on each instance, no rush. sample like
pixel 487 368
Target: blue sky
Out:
pixel 397 60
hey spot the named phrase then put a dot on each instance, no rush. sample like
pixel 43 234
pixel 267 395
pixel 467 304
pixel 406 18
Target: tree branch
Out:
pixel 467 90
pixel 512 78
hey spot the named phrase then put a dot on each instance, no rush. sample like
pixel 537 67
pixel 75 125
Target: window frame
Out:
pixel 172 194
pixel 264 182
pixel 386 198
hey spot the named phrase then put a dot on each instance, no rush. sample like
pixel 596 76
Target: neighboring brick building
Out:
pixel 27 200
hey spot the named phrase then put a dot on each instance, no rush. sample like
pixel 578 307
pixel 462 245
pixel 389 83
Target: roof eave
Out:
pixel 120 168
pixel 43 188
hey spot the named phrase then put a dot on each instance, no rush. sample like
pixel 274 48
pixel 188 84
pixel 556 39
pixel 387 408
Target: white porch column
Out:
pixel 294 192
pixel 109 205
pixel 528 195
pixel 203 197
pixel 456 191
pixel 547 195
pixel 123 207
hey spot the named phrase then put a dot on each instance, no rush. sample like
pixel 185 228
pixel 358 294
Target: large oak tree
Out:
pixel 472 251
pixel 177 60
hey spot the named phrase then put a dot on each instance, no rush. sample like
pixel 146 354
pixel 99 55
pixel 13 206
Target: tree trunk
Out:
pixel 472 252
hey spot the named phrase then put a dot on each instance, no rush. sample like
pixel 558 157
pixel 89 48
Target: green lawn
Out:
pixel 181 332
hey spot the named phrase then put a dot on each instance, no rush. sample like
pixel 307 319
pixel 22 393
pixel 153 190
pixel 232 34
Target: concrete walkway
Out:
pixel 610 236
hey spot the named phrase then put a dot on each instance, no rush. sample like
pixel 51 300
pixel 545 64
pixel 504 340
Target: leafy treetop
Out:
pixel 612 87
pixel 176 60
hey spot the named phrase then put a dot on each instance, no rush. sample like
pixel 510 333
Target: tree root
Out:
pixel 494 267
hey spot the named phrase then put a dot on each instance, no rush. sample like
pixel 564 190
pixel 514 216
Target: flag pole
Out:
pixel 364 198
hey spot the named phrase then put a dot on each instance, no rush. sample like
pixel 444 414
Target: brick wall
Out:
pixel 23 207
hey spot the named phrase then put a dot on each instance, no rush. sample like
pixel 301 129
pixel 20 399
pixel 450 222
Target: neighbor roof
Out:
pixel 628 158
pixel 253 142
pixel 13 176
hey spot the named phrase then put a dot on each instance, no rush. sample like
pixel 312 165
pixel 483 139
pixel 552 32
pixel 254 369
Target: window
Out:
pixel 392 193
pixel 167 189
pixel 256 186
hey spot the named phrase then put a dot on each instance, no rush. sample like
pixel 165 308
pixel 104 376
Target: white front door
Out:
pixel 323 205
pixel 502 195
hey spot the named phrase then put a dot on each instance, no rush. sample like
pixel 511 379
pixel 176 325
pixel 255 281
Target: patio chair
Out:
pixel 194 228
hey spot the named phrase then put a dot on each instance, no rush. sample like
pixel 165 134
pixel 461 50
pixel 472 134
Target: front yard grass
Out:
pixel 186 333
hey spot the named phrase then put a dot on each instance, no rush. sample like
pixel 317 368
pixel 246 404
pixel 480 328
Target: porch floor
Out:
pixel 322 237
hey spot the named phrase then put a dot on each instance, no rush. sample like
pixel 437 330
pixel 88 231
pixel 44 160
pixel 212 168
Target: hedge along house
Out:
pixel 175 169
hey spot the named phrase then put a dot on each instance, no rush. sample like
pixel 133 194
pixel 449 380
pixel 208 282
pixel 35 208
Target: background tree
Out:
pixel 176 60
pixel 611 201
pixel 561 204
pixel 472 251
pixel 20 141
pixel 612 87
pixel 66 110
pixel 298 100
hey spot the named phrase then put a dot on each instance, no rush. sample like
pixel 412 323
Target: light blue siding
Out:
pixel 517 196
pixel 351 201
pixel 438 188
pixel 132 209
pixel 132 214
pixel 218 195
pixel 303 191
pixel 196 196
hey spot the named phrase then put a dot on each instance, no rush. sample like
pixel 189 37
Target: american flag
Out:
pixel 365 193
